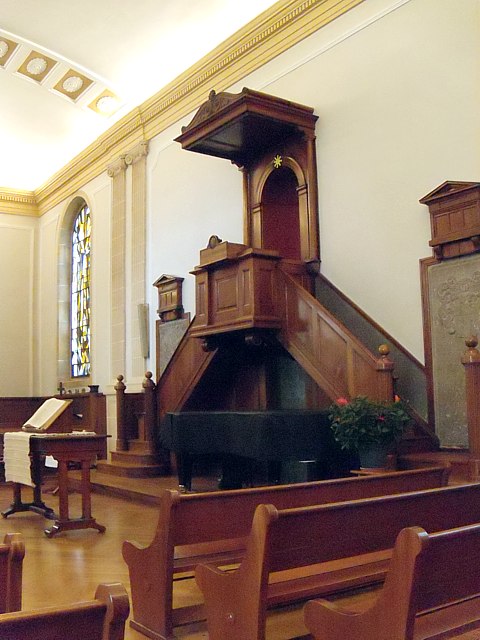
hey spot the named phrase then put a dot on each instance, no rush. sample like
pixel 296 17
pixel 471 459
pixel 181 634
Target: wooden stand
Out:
pixel 65 448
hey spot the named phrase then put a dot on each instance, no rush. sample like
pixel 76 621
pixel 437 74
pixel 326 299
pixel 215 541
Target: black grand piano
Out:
pixel 238 438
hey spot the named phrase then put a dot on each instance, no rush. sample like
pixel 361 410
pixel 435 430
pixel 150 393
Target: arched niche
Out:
pixel 280 214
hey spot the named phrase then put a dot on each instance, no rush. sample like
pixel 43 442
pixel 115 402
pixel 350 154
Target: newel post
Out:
pixel 384 367
pixel 122 440
pixel 150 409
pixel 471 362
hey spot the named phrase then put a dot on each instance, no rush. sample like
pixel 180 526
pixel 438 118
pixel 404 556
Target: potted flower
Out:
pixel 371 428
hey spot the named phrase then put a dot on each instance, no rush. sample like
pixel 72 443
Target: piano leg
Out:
pixel 184 463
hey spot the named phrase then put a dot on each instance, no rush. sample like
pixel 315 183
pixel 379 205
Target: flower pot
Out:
pixel 374 455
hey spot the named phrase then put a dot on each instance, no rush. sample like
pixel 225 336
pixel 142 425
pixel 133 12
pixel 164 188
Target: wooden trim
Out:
pixel 273 32
pixel 425 264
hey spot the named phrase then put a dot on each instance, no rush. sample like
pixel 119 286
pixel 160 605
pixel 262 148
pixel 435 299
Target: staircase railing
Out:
pixel 337 361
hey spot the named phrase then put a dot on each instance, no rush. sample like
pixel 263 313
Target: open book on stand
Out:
pixel 45 415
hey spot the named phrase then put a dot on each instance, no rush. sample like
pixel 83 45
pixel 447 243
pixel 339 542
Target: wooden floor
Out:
pixel 68 567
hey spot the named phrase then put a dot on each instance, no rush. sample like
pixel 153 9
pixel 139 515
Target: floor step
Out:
pixel 130 470
pixel 460 461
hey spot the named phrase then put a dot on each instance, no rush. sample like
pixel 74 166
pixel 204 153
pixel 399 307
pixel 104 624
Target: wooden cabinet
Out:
pixel 454 218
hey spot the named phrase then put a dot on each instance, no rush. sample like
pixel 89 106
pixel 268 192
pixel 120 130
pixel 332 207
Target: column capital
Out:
pixel 137 153
pixel 116 167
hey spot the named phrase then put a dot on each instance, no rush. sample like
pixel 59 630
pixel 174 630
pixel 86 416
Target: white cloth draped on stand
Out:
pixel 16 450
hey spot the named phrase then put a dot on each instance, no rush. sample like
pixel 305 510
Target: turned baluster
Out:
pixel 122 439
pixel 384 367
pixel 150 409
pixel 471 362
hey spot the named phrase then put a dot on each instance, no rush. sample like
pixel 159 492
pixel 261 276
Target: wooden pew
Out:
pixel 100 619
pixel 285 545
pixel 432 586
pixel 12 552
pixel 212 527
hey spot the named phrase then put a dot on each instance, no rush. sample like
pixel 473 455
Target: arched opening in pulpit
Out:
pixel 280 214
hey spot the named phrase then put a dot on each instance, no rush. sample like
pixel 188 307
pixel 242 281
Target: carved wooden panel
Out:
pixel 183 372
pixel 330 354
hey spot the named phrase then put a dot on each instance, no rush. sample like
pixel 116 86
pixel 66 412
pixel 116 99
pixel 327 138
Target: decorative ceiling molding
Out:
pixel 18 202
pixel 282 26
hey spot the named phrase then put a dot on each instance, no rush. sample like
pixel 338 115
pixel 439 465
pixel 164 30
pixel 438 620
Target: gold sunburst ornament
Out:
pixel 277 161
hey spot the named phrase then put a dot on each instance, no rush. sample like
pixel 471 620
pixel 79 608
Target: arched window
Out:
pixel 80 294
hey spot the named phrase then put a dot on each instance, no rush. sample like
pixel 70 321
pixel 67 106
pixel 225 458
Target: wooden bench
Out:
pixel 12 552
pixel 290 552
pixel 432 586
pixel 212 527
pixel 100 619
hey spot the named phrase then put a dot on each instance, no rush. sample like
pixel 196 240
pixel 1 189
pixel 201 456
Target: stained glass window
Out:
pixel 80 292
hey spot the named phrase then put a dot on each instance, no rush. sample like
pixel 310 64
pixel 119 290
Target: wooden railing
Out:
pixel 183 372
pixel 337 361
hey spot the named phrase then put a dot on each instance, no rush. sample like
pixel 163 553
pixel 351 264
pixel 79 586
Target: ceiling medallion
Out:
pixel 3 48
pixel 72 84
pixel 36 66
pixel 106 104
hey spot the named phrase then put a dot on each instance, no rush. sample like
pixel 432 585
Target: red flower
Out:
pixel 342 401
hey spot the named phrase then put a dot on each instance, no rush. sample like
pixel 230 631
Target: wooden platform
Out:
pixel 142 490
pixel 147 490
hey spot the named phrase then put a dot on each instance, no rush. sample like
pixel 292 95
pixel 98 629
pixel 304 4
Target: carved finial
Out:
pixel 212 94
pixel 120 386
pixel 471 342
pixel 472 354
pixel 213 242
pixel 384 362
pixel 384 350
pixel 148 382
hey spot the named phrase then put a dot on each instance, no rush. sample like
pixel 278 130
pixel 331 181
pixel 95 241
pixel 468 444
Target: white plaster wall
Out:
pixel 396 88
pixel 190 197
pixel 17 239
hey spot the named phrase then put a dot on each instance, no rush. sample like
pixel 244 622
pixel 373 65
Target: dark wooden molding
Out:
pixel 454 218
pixel 425 264
pixel 239 127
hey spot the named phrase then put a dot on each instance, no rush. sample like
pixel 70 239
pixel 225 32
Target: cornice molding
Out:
pixel 18 202
pixel 274 31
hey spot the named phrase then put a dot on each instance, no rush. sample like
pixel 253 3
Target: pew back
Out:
pixel 282 540
pixel 311 535
pixel 204 517
pixel 100 619
pixel 433 586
